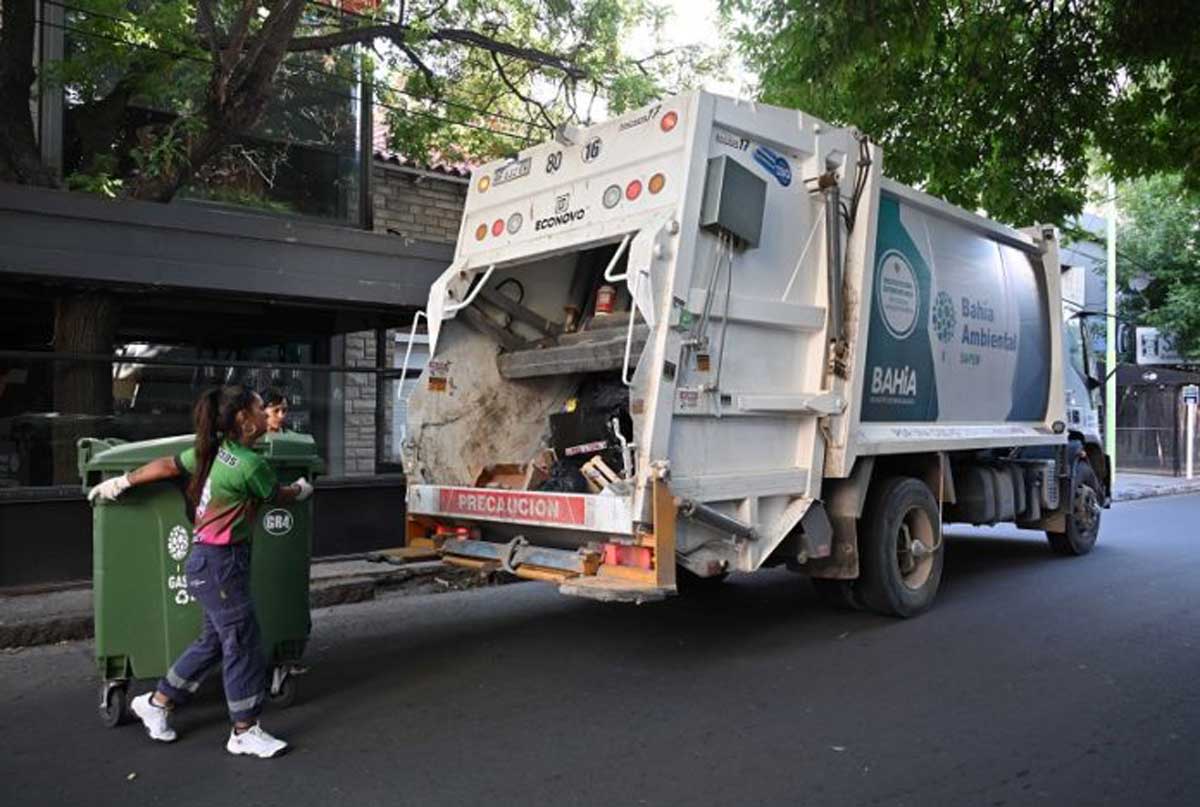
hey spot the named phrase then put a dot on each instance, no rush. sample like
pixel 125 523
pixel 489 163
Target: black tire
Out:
pixel 690 584
pixel 898 577
pixel 286 696
pixel 1083 513
pixel 116 712
pixel 838 593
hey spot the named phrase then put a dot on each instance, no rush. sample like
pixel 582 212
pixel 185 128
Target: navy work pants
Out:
pixel 219 578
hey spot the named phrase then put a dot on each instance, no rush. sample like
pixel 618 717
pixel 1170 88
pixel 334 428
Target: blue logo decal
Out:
pixel 944 319
pixel 776 165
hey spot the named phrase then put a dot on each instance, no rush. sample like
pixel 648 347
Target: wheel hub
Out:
pixel 915 540
pixel 1087 507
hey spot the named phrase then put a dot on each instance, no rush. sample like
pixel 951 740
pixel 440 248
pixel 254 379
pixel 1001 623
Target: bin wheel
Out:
pixel 282 692
pixel 114 704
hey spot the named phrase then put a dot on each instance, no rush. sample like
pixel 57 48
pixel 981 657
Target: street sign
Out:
pixel 1191 394
pixel 1155 347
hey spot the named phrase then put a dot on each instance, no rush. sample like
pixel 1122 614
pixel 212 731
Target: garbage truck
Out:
pixel 710 336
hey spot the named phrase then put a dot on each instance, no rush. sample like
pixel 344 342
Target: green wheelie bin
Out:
pixel 144 616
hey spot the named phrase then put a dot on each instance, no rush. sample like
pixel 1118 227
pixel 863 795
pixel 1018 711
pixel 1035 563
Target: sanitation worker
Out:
pixel 227 482
pixel 276 405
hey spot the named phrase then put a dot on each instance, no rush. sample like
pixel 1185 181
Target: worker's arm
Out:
pixel 153 471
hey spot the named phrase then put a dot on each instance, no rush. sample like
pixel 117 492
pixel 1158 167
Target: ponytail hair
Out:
pixel 215 420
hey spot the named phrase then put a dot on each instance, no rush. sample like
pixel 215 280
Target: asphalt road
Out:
pixel 1034 680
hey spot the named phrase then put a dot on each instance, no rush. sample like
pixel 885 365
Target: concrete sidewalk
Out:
pixel 1130 486
pixel 66 614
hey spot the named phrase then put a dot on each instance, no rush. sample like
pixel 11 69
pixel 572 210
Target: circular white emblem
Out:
pixel 277 522
pixel 178 542
pixel 898 294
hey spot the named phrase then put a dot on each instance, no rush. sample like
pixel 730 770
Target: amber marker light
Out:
pixel 485 182
pixel 481 232
pixel 657 182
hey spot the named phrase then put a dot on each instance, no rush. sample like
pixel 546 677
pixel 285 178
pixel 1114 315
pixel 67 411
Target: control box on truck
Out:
pixel 710 336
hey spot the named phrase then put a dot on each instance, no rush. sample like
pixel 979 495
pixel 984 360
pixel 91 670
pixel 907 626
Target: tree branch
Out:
pixel 517 92
pixel 399 34
pixel 207 24
pixel 20 157
pixel 237 35
pixel 415 58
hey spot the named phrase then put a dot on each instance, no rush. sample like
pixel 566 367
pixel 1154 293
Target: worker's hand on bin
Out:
pixel 110 489
pixel 304 489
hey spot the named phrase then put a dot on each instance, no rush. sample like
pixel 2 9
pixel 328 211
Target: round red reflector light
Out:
pixel 481 232
pixel 668 121
pixel 656 183
pixel 633 190
pixel 498 227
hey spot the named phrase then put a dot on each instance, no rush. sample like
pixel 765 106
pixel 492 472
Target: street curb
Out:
pixel 322 594
pixel 1173 490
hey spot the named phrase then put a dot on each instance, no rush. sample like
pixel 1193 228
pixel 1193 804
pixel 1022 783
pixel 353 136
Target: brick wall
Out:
pixel 419 205
pixel 415 204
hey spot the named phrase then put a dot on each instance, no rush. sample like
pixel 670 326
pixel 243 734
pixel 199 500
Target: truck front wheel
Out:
pixel 1083 514
pixel 900 548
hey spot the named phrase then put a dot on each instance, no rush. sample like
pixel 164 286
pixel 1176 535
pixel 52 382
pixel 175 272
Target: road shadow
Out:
pixel 431 639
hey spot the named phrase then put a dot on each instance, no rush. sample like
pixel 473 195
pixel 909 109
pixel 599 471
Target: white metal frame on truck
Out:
pixel 757 449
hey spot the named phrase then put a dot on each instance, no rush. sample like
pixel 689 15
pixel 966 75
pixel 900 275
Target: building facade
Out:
pixel 115 314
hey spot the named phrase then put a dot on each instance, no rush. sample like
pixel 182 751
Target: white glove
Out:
pixel 305 489
pixel 110 489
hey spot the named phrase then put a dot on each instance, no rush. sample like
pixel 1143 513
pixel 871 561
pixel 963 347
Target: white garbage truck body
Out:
pixel 710 335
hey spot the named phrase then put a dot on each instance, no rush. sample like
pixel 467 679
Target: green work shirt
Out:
pixel 238 482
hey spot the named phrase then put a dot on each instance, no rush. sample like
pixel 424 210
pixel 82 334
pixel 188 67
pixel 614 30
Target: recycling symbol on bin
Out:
pixel 178 542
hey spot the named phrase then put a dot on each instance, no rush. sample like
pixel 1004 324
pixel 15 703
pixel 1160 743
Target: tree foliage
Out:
pixel 162 93
pixel 1158 239
pixel 992 104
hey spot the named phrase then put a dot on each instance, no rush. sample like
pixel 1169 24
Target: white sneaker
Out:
pixel 154 718
pixel 256 742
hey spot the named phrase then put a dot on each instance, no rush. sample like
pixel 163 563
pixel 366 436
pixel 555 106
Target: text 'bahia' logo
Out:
pixel 894 381
pixel 776 165
pixel 277 522
pixel 945 321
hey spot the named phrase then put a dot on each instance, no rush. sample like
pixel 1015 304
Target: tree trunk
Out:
pixel 20 157
pixel 83 391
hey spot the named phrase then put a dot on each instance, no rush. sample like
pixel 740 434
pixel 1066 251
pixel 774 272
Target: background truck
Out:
pixel 710 336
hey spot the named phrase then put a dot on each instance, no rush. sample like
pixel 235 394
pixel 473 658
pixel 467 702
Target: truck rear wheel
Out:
pixel 1083 517
pixel 900 548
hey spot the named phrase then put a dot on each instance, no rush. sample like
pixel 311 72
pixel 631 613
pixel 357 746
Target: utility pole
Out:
pixel 1110 333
